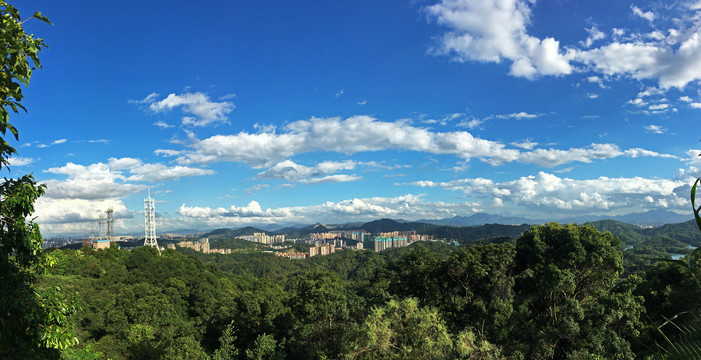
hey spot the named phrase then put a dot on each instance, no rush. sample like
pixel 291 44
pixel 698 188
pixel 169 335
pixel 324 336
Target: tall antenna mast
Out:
pixel 110 224
pixel 101 227
pixel 150 221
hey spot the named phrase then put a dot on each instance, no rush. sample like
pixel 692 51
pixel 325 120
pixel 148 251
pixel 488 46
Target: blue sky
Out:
pixel 258 112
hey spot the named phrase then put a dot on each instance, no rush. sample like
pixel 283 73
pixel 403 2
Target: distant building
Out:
pixel 384 242
pixel 322 250
pixel 100 244
pixel 264 238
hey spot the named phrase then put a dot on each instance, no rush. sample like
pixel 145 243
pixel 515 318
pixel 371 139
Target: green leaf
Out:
pixel 38 15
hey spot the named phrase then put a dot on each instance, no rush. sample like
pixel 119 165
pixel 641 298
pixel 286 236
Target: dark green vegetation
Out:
pixel 556 292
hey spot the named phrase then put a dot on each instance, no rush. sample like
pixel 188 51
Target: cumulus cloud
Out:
pixel 291 171
pixel 111 179
pixel 497 30
pixel 20 161
pixel 60 211
pixel 92 182
pixel 253 209
pixel 655 129
pixel 492 31
pixel 197 108
pixel 549 193
pixel 364 134
pixel 407 207
pixel 647 15
pixel 594 35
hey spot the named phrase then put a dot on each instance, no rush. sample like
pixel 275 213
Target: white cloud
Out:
pixel 167 153
pixel 551 194
pixel 20 161
pixel 150 98
pixel 497 30
pixel 60 211
pixel 519 116
pixel 672 65
pixel 407 206
pixel 291 171
pixel 332 179
pixel 471 124
pixel 199 110
pixel 161 172
pixel 593 96
pixel 339 93
pixel 162 124
pixel 637 102
pixel 362 102
pixel 525 144
pixel 594 35
pixel 695 105
pixel 256 187
pixel 93 182
pixel 597 80
pixel 655 129
pixel 96 141
pixel 252 210
pixel 59 141
pixel 365 134
pixel 686 99
pixel 658 107
pixel 491 31
pixel 647 15
pixel 105 181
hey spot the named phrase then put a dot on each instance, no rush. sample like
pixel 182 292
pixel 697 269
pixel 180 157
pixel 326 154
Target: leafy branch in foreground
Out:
pixel 33 324
pixel 687 343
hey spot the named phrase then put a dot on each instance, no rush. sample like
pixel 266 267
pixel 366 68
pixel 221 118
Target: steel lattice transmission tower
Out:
pixel 150 221
pixel 101 227
pixel 110 224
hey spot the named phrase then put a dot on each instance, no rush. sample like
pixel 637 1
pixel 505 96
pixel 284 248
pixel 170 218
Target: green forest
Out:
pixel 556 292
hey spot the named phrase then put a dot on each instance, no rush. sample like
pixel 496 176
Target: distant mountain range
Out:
pixel 654 218
pixel 648 218
pixel 480 219
pixel 482 225
pixel 651 218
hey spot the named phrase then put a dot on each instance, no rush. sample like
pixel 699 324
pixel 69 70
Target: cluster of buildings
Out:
pixel 384 242
pixel 321 250
pixel 397 239
pixel 264 238
pixel 355 235
pixel 200 245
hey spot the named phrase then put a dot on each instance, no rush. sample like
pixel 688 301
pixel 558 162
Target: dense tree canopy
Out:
pixel 557 292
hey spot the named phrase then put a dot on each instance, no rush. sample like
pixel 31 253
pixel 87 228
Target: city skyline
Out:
pixel 289 113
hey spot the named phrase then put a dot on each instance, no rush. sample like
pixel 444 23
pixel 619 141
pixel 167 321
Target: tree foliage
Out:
pixel 33 323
